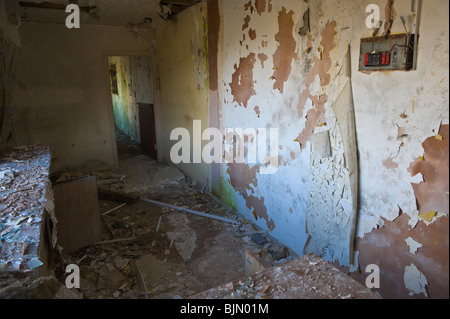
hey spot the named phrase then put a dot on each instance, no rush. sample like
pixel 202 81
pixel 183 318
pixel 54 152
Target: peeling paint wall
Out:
pixel 277 77
pixel 182 54
pixel 133 84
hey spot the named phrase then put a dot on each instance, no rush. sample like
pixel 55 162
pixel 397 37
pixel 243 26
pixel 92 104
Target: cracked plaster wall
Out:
pixel 273 77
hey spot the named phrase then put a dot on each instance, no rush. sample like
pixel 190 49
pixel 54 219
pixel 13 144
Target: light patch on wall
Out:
pixel 413 245
pixel 415 281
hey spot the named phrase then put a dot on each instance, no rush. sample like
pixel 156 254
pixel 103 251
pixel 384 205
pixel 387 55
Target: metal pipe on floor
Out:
pixel 190 211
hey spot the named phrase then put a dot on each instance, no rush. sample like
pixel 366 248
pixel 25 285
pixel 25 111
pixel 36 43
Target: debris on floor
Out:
pixel 168 176
pixel 24 193
pixel 157 248
pixel 15 284
pixel 307 277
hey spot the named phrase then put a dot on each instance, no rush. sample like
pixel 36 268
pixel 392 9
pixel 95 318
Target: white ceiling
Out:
pixel 110 12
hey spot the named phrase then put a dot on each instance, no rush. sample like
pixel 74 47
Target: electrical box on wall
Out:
pixel 394 52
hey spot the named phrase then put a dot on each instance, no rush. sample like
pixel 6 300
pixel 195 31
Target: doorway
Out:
pixel 132 100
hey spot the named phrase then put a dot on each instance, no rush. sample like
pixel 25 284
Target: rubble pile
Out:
pixel 24 181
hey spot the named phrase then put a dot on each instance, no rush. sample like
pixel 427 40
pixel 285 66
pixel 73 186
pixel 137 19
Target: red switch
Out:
pixel 366 59
pixel 385 59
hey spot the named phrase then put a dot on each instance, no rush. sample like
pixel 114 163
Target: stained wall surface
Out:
pixel 60 92
pixel 182 85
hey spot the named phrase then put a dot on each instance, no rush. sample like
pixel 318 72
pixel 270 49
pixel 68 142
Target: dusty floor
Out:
pixel 173 254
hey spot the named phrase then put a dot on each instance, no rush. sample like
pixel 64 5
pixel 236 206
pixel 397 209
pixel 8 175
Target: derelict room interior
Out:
pixel 224 149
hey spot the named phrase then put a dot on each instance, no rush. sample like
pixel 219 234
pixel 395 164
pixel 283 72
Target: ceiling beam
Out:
pixel 48 5
pixel 180 2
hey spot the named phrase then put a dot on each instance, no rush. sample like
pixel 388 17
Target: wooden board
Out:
pixel 77 211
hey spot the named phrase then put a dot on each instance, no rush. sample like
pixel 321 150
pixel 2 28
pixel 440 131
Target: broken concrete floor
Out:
pixel 176 254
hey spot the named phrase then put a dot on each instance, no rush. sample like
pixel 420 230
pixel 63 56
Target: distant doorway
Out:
pixel 132 98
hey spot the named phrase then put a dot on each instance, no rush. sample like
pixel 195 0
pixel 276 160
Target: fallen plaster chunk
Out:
pixel 415 281
pixel 413 245
pixel 168 176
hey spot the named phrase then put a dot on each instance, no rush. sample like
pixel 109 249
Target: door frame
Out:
pixel 156 98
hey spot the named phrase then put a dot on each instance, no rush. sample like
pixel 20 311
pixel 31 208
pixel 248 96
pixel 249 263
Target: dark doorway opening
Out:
pixel 148 130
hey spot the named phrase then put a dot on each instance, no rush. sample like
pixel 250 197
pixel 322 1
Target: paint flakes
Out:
pixel 293 156
pixel 260 6
pixel 415 281
pixel 246 23
pixel 413 219
pixel 432 194
pixel 322 65
pixel 413 245
pixel 252 34
pixel 330 200
pixel 401 132
pixel 249 6
pixel 285 53
pixel 257 111
pixel 242 87
pixel 434 252
pixel 390 164
pixel 263 58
